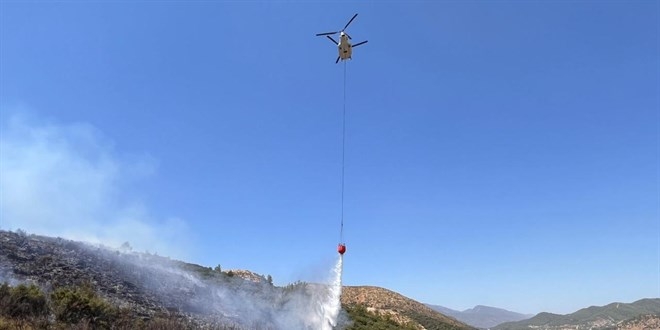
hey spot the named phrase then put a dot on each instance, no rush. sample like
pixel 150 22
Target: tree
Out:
pixel 269 279
pixel 218 268
pixel 126 247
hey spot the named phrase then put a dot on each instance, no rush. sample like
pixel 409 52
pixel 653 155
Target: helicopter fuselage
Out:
pixel 345 48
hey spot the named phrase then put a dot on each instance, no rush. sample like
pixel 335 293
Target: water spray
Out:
pixel 333 304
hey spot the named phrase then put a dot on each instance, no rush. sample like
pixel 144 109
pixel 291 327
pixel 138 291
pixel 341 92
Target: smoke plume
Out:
pixel 218 297
pixel 68 181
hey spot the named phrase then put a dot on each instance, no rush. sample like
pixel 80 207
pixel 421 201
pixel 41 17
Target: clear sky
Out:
pixel 503 153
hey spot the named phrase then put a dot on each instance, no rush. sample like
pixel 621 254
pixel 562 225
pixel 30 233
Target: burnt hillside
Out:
pixel 149 285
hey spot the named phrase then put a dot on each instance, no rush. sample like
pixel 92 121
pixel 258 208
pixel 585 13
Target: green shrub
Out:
pixel 5 292
pixel 25 307
pixel 15 324
pixel 71 306
pixel 22 302
pixel 362 319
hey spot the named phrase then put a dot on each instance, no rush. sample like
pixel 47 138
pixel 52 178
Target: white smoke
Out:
pixel 303 306
pixel 234 301
pixel 6 277
pixel 68 181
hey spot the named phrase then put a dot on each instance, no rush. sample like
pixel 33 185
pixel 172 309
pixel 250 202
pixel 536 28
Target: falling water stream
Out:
pixel 332 305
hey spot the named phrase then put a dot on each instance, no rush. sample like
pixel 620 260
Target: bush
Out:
pixel 72 306
pixel 16 324
pixel 362 319
pixel 5 292
pixel 25 307
pixel 22 302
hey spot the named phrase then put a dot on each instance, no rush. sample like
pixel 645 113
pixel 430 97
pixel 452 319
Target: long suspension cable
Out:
pixel 343 148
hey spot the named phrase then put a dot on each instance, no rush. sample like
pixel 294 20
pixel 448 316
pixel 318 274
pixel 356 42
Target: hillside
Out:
pixel 146 286
pixel 482 316
pixel 643 322
pixel 611 316
pixel 395 306
pixel 141 290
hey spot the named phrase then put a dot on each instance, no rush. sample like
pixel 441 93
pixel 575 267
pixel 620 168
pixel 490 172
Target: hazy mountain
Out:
pixel 482 316
pixel 612 316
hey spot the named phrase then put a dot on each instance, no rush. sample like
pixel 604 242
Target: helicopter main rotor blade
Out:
pixel 361 43
pixel 337 61
pixel 333 40
pixel 349 22
pixel 349 37
pixel 327 33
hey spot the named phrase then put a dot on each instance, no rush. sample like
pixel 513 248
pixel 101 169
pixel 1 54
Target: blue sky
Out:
pixel 500 153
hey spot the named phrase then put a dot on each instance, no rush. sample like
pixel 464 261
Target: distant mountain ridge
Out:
pixel 480 316
pixel 610 316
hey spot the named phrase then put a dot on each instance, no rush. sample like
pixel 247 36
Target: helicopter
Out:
pixel 344 45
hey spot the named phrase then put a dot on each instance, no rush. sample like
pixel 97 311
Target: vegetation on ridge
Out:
pixel 363 320
pixel 28 307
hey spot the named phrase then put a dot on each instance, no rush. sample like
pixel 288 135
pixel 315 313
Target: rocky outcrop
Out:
pixel 249 276
pixel 644 322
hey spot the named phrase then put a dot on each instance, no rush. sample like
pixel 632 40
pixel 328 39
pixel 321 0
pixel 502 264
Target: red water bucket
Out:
pixel 341 248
